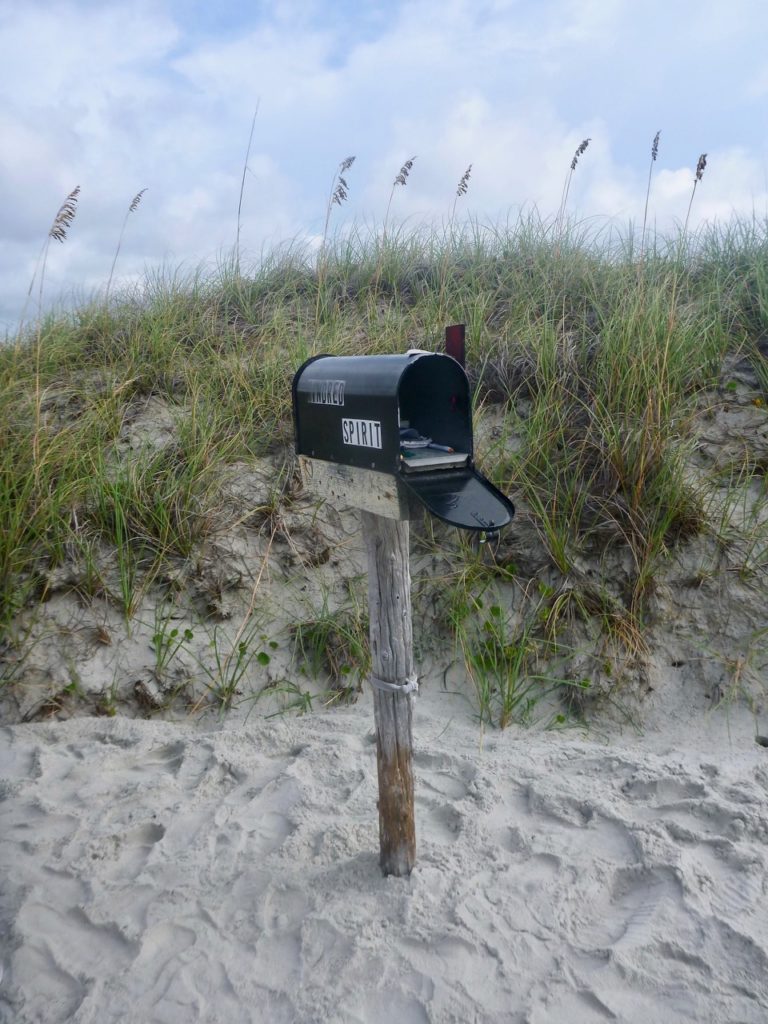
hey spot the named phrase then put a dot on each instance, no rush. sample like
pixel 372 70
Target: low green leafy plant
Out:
pixel 167 641
pixel 226 676
pixel 108 700
pixel 335 644
pixel 501 663
pixel 300 700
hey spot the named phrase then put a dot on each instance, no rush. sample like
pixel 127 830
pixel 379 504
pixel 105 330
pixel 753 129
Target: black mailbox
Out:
pixel 408 416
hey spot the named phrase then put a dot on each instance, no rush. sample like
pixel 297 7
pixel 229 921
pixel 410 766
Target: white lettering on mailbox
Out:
pixel 361 433
pixel 327 392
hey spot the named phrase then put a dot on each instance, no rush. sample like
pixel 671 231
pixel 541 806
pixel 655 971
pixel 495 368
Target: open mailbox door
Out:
pixel 406 416
pixel 461 497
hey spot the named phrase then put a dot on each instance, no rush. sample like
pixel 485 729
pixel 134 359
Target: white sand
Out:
pixel 156 872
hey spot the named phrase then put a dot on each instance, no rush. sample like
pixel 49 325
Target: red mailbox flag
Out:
pixel 454 342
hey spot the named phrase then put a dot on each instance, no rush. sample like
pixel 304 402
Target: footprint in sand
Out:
pixel 444 785
pixel 445 763
pixel 52 993
pixel 162 952
pixel 568 827
pixel 706 829
pixel 64 950
pixel 705 820
pixel 438 823
pixel 726 882
pixel 664 790
pixel 204 773
pixel 625 915
pixel 392 1004
pixel 282 909
pixel 325 950
pixel 442 782
pixel 165 758
pixel 124 854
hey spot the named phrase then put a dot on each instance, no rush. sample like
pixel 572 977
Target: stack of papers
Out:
pixel 418 452
pixel 415 460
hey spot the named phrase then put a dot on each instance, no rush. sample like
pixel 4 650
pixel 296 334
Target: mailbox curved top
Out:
pixel 380 374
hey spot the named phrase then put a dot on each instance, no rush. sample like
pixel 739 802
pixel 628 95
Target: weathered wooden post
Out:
pixel 393 680
pixel 388 435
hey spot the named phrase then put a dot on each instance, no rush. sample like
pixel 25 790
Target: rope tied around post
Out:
pixel 411 685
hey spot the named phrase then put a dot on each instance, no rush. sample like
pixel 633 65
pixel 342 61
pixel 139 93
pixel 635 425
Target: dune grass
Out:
pixel 596 354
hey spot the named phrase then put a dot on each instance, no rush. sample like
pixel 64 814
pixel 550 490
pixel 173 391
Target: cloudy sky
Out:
pixel 120 96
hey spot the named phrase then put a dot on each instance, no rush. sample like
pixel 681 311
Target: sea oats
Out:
pixel 132 207
pixel 405 170
pixel 400 179
pixel 246 168
pixel 65 216
pixel 462 187
pixel 580 150
pixel 654 155
pixel 135 201
pixel 700 168
pixel 339 192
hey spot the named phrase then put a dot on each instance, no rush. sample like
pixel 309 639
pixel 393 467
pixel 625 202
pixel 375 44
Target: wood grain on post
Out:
pixel 391 633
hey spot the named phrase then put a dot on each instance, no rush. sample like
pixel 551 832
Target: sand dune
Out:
pixel 161 872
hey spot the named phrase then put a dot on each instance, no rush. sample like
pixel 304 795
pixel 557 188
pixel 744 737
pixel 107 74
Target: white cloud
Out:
pixel 55 51
pixel 117 97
